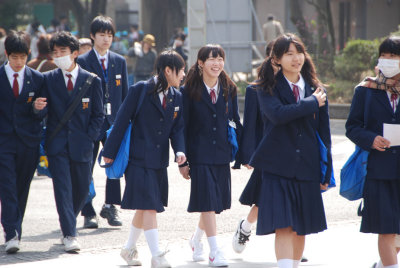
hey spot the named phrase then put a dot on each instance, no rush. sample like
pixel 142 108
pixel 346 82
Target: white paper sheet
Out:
pixel 392 133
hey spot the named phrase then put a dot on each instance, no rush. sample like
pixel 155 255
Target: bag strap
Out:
pixel 72 107
pixel 41 65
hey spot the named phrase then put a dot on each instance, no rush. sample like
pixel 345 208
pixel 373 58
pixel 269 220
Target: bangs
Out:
pixel 390 45
pixel 210 50
pixel 282 45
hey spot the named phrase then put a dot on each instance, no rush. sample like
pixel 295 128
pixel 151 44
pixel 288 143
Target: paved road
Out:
pixel 335 247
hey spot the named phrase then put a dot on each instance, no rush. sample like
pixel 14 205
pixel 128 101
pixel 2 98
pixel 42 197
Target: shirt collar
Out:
pixel 215 87
pixel 10 72
pixel 101 57
pixel 300 83
pixel 74 72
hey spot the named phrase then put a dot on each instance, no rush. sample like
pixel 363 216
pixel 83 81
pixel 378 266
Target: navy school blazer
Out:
pixel 17 114
pixel 252 126
pixel 117 83
pixel 152 127
pixel 206 127
pixel 289 147
pixel 370 109
pixel 83 128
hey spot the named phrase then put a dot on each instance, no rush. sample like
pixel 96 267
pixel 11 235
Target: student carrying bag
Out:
pixel 116 169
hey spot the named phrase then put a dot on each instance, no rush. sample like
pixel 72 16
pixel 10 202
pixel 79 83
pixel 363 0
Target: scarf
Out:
pixel 382 83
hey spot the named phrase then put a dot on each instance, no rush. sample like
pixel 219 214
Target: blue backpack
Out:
pixel 116 169
pixel 324 163
pixel 352 175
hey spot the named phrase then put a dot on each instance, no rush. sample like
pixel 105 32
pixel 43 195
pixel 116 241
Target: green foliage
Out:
pixel 10 11
pixel 358 56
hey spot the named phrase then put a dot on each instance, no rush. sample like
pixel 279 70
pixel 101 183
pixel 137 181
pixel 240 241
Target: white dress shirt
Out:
pixel 216 88
pixel 10 75
pixel 105 57
pixel 74 74
pixel 301 84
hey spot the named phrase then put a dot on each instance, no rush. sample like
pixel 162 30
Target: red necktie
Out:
pixel 164 102
pixel 213 96
pixel 102 64
pixel 70 86
pixel 296 92
pixel 15 87
pixel 393 99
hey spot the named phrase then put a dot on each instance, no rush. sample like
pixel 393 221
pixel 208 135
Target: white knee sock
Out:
pixel 212 242
pixel 152 240
pixel 246 226
pixel 133 237
pixel 198 234
pixel 285 263
pixel 392 266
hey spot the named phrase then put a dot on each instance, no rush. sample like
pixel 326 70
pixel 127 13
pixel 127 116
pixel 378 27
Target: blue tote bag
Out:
pixel 352 175
pixel 324 163
pixel 116 169
pixel 232 138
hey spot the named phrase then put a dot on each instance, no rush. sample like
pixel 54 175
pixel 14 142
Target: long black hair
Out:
pixel 167 58
pixel 194 81
pixel 266 76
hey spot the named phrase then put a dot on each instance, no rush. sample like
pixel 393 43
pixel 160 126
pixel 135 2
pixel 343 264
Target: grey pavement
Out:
pixel 342 245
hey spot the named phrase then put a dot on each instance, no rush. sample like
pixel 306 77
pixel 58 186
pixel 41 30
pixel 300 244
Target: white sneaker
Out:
pixel 160 261
pixel 217 259
pixel 131 256
pixel 12 245
pixel 71 244
pixel 197 249
pixel 240 238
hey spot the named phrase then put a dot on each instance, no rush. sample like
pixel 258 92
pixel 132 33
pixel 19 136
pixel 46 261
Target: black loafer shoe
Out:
pixel 111 214
pixel 90 222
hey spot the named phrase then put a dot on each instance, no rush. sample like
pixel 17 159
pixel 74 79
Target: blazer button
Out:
pixel 297 150
pixel 394 151
pixel 159 132
pixel 161 119
pixel 214 115
pixel 214 128
pixel 69 131
pixel 214 142
pixel 393 119
pixel 158 146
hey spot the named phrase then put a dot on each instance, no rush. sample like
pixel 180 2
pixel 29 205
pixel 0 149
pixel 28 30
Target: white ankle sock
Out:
pixel 296 263
pixel 212 242
pixel 133 237
pixel 246 226
pixel 285 263
pixel 107 205
pixel 198 234
pixel 392 266
pixel 152 240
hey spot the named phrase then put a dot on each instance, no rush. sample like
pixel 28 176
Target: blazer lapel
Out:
pixel 156 102
pixel 308 90
pixel 96 64
pixel 111 69
pixel 207 99
pixel 285 91
pixel 382 97
pixel 27 81
pixel 7 89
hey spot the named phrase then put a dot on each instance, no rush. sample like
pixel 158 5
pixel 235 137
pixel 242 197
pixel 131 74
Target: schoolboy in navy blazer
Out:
pixel 295 138
pixel 20 132
pixel 70 152
pixel 146 138
pixel 361 128
pixel 212 147
pixel 111 68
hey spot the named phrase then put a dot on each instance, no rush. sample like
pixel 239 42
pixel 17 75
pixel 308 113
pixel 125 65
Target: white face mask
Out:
pixel 64 63
pixel 389 67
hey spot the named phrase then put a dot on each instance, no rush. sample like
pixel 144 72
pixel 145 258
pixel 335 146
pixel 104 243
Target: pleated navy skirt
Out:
pixel 210 188
pixel 381 212
pixel 145 188
pixel 251 192
pixel 286 202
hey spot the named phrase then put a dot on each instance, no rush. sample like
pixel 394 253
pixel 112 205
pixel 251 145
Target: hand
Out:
pixel 380 143
pixel 323 187
pixel 185 172
pixel 107 160
pixel 181 159
pixel 39 104
pixel 248 166
pixel 320 94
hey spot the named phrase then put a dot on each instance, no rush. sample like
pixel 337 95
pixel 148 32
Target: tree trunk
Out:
pixel 297 19
pixel 160 18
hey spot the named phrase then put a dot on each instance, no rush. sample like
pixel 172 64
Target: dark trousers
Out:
pixel 113 187
pixel 17 166
pixel 71 181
